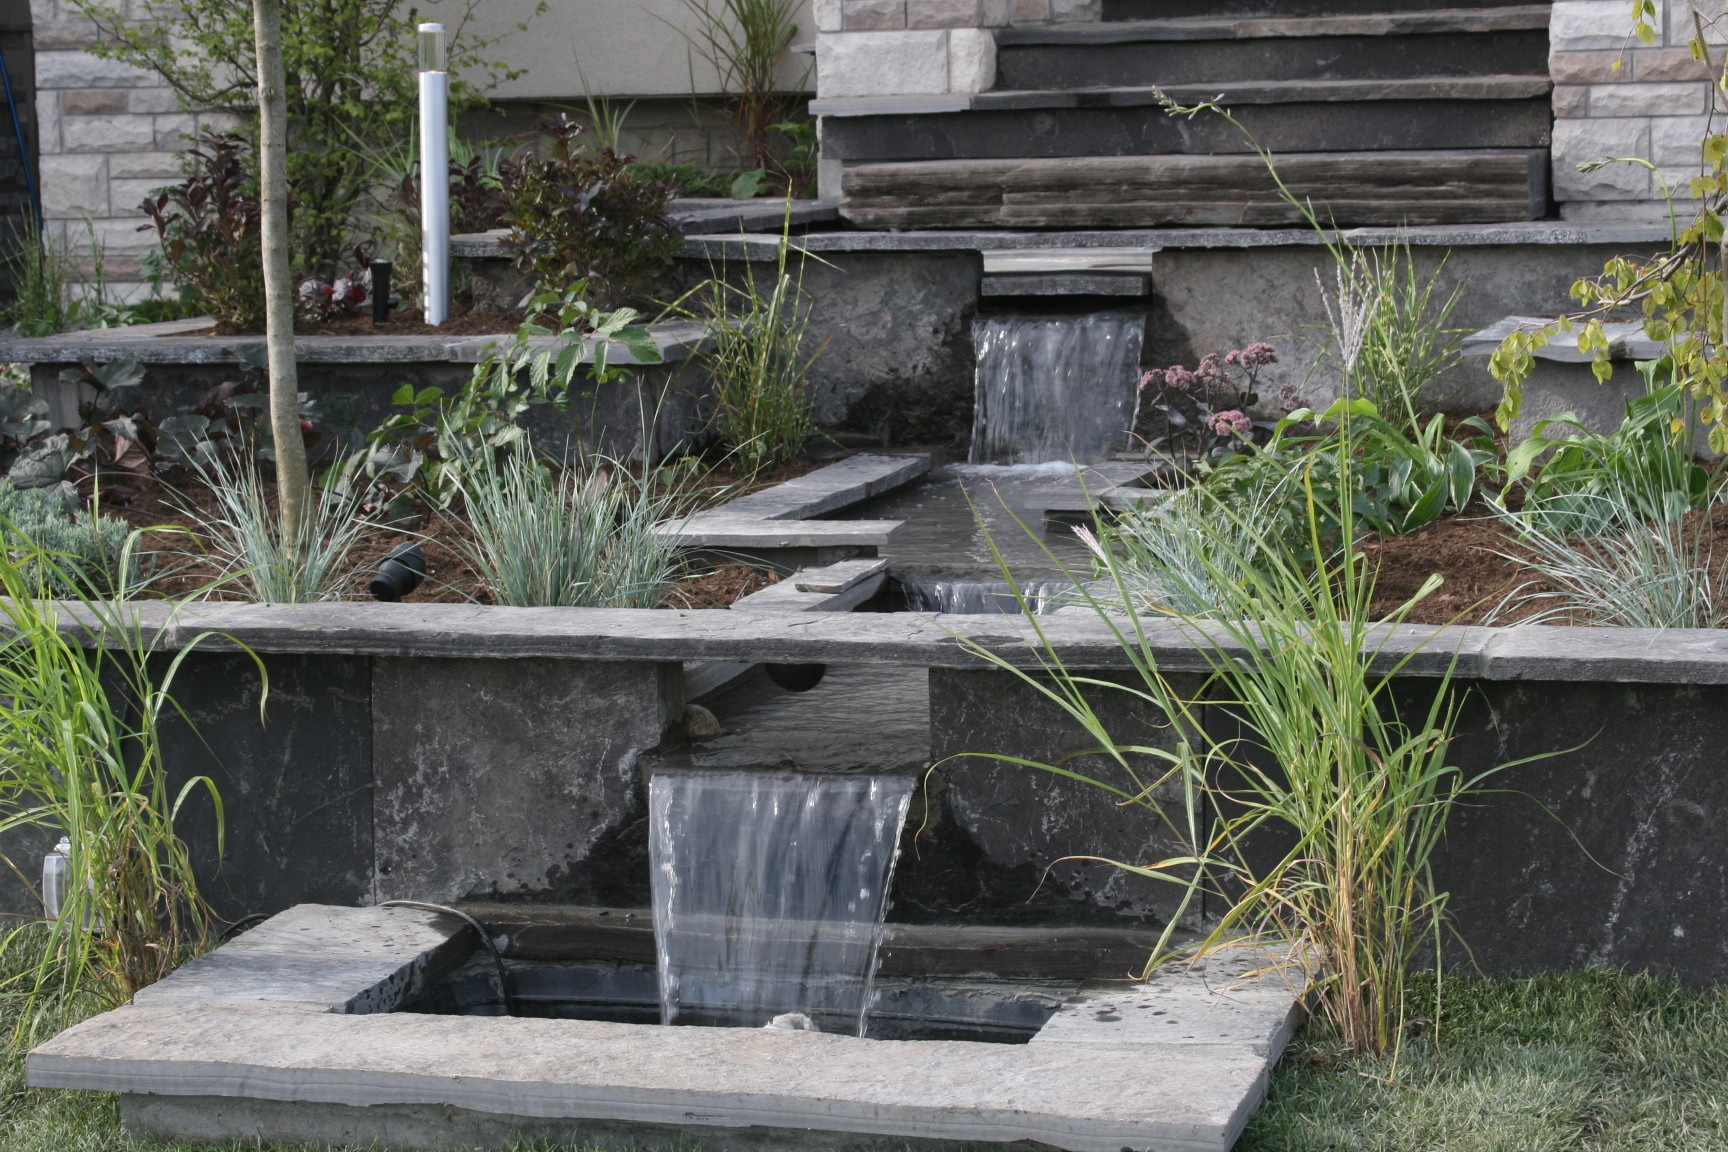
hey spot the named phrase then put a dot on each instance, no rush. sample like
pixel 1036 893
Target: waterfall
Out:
pixel 1054 387
pixel 770 892
pixel 982 597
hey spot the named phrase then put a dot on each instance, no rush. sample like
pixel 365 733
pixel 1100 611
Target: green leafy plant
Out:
pixel 1396 480
pixel 585 215
pixel 580 536
pixel 1295 739
pixel 42 273
pixel 245 534
pixel 435 438
pixel 84 760
pixel 762 403
pixel 350 94
pixel 1572 478
pixel 745 42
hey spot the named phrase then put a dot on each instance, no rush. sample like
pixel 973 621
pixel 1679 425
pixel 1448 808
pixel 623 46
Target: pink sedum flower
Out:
pixel 1178 377
pixel 1232 422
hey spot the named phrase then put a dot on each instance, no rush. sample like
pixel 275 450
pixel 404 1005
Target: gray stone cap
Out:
pixel 1083 1097
pixel 689 214
pixel 763 246
pixel 917 639
pixel 1511 18
pixel 1626 341
pixel 319 958
pixel 1488 88
pixel 183 342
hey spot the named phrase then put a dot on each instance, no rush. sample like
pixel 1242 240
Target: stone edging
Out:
pixel 918 639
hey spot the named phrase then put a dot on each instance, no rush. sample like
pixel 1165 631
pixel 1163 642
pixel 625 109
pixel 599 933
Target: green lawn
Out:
pixel 1597 1062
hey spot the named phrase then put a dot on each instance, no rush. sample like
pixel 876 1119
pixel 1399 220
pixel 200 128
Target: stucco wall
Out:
pixel 623 48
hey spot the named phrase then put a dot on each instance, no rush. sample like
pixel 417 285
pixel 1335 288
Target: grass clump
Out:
pixel 763 409
pixel 246 534
pixel 580 536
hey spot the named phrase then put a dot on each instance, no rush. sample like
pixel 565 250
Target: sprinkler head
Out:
pixel 796 677
pixel 399 574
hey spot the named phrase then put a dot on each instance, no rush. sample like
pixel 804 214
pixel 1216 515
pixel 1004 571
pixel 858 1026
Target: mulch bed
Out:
pixel 184 567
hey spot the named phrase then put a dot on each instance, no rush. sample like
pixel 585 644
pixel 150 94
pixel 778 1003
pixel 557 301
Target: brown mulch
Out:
pixel 1467 550
pixel 183 567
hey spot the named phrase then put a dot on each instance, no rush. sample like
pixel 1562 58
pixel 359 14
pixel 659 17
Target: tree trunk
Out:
pixel 291 484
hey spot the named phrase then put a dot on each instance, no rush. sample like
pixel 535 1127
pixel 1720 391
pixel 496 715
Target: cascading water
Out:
pixel 982 597
pixel 770 892
pixel 1054 387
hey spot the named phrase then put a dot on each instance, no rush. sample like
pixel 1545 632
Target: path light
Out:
pixel 380 291
pixel 399 574
pixel 56 877
pixel 435 172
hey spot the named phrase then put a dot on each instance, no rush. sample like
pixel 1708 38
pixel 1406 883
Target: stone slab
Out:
pixel 689 214
pixel 1237 998
pixel 1626 341
pixel 931 640
pixel 750 535
pixel 787 596
pixel 494 779
pixel 837 578
pixel 827 489
pixel 1040 261
pixel 321 958
pixel 1082 1097
pixel 764 247
pixel 1496 19
pixel 172 344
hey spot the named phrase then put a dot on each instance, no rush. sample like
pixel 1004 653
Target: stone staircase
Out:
pixel 1379 112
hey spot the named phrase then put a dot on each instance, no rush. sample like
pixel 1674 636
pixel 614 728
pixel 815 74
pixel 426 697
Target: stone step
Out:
pixel 1454 43
pixel 1375 188
pixel 1123 10
pixel 1283 116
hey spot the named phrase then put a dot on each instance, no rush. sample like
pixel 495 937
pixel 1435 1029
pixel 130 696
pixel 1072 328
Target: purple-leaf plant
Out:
pixel 1206 411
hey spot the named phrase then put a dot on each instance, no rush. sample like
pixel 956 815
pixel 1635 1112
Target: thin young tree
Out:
pixel 290 449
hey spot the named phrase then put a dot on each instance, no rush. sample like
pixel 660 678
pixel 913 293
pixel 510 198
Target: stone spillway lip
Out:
pixel 269 1033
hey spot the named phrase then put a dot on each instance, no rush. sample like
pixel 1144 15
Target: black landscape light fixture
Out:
pixel 399 574
pixel 380 291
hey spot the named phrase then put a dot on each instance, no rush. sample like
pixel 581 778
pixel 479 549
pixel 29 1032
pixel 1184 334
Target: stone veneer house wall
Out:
pixel 108 132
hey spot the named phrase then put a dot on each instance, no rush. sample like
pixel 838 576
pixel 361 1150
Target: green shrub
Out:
pixel 88 550
pixel 583 214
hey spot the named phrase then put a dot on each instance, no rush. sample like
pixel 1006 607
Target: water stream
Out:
pixel 1054 388
pixel 769 893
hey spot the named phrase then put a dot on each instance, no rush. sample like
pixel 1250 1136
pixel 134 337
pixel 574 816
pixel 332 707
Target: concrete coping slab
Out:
pixel 320 958
pixel 690 214
pixel 765 246
pixel 178 342
pixel 1180 1063
pixel 1626 341
pixel 1084 639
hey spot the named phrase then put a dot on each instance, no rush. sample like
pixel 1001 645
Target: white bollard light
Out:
pixel 435 173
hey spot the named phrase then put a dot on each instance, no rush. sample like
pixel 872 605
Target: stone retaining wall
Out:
pixel 443 752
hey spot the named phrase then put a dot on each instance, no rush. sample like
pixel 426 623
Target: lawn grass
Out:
pixel 1587 1062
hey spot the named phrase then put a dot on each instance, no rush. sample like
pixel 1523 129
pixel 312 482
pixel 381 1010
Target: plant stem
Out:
pixel 290 449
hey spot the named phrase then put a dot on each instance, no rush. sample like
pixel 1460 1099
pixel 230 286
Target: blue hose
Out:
pixel 18 131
